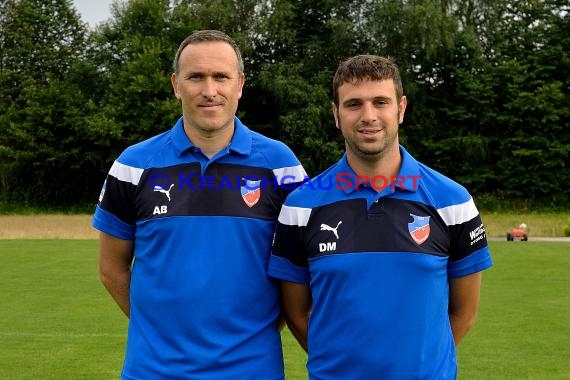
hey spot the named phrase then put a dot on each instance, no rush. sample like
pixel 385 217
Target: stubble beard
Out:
pixel 375 152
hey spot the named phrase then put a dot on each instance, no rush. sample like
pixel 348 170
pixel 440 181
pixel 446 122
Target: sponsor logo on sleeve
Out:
pixel 477 234
pixel 102 194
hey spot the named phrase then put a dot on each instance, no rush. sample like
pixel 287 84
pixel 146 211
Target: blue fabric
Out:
pixel 202 305
pixel 380 288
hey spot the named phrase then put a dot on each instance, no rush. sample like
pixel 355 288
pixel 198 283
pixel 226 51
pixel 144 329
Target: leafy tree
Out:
pixel 531 76
pixel 456 94
pixel 486 81
pixel 44 83
pixel 301 44
pixel 134 54
pixel 491 107
pixel 135 51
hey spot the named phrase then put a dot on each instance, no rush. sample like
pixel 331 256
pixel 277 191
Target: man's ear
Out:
pixel 174 83
pixel 241 82
pixel 335 114
pixel 402 109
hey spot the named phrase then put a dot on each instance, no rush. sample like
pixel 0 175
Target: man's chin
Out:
pixel 370 153
pixel 370 150
pixel 215 125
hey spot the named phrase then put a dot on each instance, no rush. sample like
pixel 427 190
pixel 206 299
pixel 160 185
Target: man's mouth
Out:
pixel 370 131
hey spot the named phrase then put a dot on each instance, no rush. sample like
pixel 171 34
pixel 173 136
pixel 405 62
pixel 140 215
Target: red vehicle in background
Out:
pixel 518 233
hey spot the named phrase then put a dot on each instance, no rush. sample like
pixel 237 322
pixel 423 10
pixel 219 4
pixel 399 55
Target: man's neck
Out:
pixel 386 166
pixel 210 143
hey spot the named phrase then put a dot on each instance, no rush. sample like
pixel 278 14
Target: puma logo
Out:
pixel 165 192
pixel 326 227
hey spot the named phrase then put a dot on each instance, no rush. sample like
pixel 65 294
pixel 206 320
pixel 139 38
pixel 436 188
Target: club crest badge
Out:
pixel 419 228
pixel 251 192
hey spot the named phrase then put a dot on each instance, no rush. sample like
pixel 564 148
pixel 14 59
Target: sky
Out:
pixel 93 11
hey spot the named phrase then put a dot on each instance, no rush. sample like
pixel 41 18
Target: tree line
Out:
pixel 487 83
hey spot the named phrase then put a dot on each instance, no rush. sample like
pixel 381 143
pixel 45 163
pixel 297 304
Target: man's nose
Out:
pixel 368 113
pixel 209 88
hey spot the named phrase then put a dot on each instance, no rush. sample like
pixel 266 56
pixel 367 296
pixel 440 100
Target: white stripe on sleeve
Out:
pixel 294 216
pixel 457 214
pixel 126 173
pixel 290 174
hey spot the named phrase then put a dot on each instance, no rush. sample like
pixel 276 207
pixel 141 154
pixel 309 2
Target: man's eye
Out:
pixel 221 77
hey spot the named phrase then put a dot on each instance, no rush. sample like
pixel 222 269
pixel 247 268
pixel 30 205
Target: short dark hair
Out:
pixel 365 66
pixel 208 36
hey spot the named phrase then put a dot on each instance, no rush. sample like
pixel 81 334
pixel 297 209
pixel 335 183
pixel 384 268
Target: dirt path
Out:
pixel 46 227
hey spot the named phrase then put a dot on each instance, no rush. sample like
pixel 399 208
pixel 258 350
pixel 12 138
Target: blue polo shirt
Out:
pixel 202 305
pixel 378 257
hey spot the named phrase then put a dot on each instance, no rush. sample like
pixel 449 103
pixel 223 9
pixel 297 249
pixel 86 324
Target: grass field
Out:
pixel 539 224
pixel 523 328
pixel 54 226
pixel 59 323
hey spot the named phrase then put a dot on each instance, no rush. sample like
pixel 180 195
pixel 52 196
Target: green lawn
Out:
pixel 523 327
pixel 59 323
pixel 57 320
pixel 547 224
